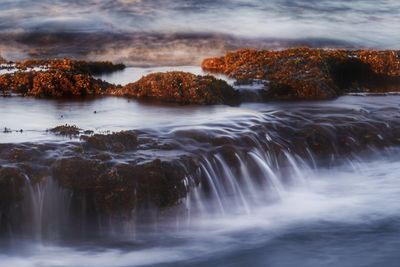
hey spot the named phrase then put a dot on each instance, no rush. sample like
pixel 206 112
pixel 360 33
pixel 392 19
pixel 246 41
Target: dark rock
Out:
pixel 113 188
pixel 117 142
pixel 66 130
pixel 12 184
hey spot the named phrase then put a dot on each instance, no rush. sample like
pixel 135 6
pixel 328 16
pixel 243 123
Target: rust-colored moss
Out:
pixel 52 83
pixel 180 87
pixel 84 67
pixel 305 73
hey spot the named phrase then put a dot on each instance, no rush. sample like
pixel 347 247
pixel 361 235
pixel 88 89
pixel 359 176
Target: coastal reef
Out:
pixel 66 78
pixel 305 73
pixel 180 87
pixel 55 78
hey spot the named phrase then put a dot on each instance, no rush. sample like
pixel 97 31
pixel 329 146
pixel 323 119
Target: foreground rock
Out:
pixel 180 87
pixel 103 177
pixel 311 73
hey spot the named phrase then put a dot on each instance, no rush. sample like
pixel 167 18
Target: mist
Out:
pixel 151 32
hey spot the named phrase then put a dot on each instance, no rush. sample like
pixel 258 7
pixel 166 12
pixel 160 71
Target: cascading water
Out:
pixel 267 178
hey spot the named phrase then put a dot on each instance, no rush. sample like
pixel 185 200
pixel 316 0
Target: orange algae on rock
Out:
pixel 305 73
pixel 52 83
pixel 180 87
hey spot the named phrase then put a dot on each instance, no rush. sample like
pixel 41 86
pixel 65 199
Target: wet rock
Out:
pixel 113 188
pixel 116 142
pixel 180 87
pixel 83 67
pixel 52 83
pixel 12 183
pixel 66 130
pixel 7 130
pixel 305 73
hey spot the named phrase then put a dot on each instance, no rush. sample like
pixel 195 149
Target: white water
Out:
pixel 277 211
pixel 341 201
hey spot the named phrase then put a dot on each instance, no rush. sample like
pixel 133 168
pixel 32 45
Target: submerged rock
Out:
pixel 66 130
pixel 12 183
pixel 121 187
pixel 117 142
pixel 180 87
pixel 122 174
pixel 305 73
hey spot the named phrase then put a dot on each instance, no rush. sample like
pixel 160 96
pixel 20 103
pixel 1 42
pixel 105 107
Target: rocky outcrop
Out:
pixel 65 130
pixel 116 142
pixel 12 183
pixel 120 187
pixel 102 171
pixel 63 78
pixel 56 78
pixel 305 73
pixel 83 67
pixel 118 174
pixel 180 87
pixel 52 83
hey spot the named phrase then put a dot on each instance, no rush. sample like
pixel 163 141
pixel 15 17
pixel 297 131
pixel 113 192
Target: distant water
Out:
pixel 181 32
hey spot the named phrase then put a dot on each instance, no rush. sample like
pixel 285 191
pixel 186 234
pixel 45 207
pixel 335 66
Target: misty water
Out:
pixel 308 213
pixel 172 32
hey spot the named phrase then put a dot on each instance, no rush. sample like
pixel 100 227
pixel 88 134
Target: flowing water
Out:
pixel 275 203
pixel 278 184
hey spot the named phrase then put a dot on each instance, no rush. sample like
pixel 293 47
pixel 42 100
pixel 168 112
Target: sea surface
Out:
pixel 165 32
pixel 346 214
pixel 339 215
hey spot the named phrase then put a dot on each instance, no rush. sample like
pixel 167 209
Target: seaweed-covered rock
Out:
pixel 12 183
pixel 121 187
pixel 305 73
pixel 117 142
pixel 83 67
pixel 52 83
pixel 66 130
pixel 180 87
